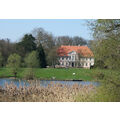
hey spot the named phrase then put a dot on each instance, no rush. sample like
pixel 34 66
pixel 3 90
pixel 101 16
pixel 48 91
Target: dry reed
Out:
pixel 37 93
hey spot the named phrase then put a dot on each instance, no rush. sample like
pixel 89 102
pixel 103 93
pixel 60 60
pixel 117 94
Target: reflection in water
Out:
pixel 44 82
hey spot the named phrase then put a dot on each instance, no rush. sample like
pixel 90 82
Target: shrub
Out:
pixel 99 64
pixel 100 75
pixel 29 74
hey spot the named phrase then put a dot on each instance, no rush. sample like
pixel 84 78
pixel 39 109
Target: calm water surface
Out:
pixel 45 82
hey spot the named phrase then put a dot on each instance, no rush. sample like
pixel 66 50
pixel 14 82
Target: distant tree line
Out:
pixel 37 49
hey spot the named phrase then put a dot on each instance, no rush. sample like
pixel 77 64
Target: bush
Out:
pixel 99 64
pixel 29 74
pixel 109 90
pixel 100 76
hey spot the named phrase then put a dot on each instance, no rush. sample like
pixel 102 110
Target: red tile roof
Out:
pixel 83 50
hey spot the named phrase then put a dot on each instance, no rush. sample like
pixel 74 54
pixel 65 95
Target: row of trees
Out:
pixel 106 45
pixel 6 48
pixel 39 41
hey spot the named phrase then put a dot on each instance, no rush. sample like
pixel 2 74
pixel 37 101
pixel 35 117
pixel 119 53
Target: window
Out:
pixel 73 57
pixel 67 64
pixel 86 64
pixel 62 58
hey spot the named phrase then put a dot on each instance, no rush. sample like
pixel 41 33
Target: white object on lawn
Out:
pixel 73 73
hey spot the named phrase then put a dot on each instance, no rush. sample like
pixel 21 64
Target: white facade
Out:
pixel 73 60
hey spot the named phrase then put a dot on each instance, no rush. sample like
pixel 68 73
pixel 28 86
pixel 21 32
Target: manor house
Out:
pixel 75 56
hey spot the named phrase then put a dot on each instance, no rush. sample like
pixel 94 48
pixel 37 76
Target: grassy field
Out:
pixel 59 74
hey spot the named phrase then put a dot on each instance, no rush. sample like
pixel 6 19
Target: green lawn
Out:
pixel 59 74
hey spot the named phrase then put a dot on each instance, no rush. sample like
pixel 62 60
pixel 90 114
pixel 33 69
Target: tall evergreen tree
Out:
pixel 27 45
pixel 41 56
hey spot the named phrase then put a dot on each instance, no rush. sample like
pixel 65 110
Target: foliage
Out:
pixel 6 48
pixel 99 64
pixel 44 38
pixel 109 90
pixel 14 62
pixel 1 59
pixel 29 74
pixel 106 43
pixel 66 40
pixel 100 76
pixel 31 60
pixel 41 56
pixel 79 41
pixel 26 45
pixel 52 57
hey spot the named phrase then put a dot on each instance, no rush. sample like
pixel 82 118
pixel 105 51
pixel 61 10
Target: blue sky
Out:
pixel 14 29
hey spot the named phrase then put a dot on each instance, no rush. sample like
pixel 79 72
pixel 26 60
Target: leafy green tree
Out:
pixel 106 45
pixel 52 57
pixel 31 60
pixel 41 56
pixel 1 59
pixel 14 62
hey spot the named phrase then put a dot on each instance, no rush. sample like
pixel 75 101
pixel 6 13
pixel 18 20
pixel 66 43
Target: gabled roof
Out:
pixel 83 50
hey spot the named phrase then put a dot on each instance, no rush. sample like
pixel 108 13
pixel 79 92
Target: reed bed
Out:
pixel 51 93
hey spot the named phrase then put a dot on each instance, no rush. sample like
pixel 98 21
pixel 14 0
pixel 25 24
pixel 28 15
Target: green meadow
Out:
pixel 59 73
